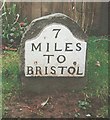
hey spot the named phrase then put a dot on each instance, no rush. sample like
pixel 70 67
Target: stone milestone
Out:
pixel 53 55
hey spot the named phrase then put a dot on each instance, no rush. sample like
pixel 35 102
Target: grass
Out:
pixel 0 88
pixel 10 71
pixel 97 74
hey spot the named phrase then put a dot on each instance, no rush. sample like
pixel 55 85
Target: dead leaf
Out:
pixel 98 64
pixel 88 115
pixel 44 103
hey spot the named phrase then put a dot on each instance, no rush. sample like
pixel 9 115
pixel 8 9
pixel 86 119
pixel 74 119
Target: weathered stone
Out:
pixel 50 84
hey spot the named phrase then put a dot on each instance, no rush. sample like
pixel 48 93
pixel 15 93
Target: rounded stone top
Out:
pixel 37 25
pixel 51 16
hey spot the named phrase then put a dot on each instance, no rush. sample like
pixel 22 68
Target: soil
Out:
pixel 58 105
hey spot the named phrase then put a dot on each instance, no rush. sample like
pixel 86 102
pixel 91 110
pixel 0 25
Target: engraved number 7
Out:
pixel 58 30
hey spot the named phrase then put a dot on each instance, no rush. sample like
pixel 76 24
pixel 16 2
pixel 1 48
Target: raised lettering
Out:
pixel 34 47
pixel 53 70
pixel 38 69
pixel 48 57
pixel 68 47
pixel 78 72
pixel 62 69
pixel 71 70
pixel 30 70
pixel 78 45
pixel 61 58
pixel 56 48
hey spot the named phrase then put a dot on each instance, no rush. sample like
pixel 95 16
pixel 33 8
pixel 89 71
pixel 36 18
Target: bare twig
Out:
pixel 44 103
pixel 17 17
pixel 2 5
